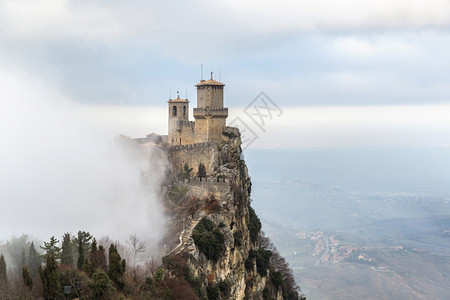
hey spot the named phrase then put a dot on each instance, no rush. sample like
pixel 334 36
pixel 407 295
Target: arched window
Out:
pixel 184 110
pixel 174 111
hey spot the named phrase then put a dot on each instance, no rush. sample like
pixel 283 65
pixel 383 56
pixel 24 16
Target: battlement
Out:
pixel 215 112
pixel 191 146
pixel 204 188
pixel 183 123
pixel 204 181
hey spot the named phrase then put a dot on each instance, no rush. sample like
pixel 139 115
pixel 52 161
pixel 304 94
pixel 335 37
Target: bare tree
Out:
pixel 137 247
pixel 151 266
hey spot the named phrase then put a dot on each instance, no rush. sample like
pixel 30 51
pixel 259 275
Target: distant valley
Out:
pixel 359 231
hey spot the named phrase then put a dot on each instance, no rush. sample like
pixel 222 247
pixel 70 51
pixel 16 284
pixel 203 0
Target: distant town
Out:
pixel 331 251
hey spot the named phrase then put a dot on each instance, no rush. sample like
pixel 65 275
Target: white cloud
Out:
pixel 59 171
pixel 202 20
pixel 350 126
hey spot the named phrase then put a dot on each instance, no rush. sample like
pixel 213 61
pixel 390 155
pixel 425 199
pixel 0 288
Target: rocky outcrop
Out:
pixel 227 261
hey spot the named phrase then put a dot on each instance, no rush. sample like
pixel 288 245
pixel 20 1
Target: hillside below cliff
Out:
pixel 215 241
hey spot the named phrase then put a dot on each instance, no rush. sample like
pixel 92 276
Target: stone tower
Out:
pixel 178 118
pixel 210 115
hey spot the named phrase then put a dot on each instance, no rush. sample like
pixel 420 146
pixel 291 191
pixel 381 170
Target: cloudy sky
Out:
pixel 74 73
pixel 384 60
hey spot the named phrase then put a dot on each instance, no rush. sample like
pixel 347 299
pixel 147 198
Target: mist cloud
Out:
pixel 60 171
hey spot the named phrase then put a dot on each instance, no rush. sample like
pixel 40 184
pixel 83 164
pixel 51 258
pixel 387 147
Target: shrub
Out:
pixel 276 278
pixel 209 239
pixel 254 225
pixel 229 134
pixel 212 205
pixel 101 286
pixel 178 192
pixel 237 239
pixel 213 292
pixel 225 288
pixel 262 258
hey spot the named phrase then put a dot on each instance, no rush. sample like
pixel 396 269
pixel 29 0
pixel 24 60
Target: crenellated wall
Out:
pixel 193 155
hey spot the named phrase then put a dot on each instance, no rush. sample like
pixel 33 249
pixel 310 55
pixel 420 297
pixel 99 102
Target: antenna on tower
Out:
pixel 170 92
pixel 201 72
pixel 219 76
pixel 186 93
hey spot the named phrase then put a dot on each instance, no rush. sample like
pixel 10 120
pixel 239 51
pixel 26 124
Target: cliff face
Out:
pixel 218 247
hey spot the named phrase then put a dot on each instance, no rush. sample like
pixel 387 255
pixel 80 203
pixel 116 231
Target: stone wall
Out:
pixel 193 155
pixel 181 132
pixel 205 187
pixel 209 129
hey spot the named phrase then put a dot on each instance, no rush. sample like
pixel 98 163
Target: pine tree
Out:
pixel 50 278
pixel 83 240
pixel 101 285
pixel 201 171
pixel 90 265
pixel 187 171
pixel 27 280
pixel 3 275
pixel 51 248
pixel 23 261
pixel 33 260
pixel 66 250
pixel 102 258
pixel 117 267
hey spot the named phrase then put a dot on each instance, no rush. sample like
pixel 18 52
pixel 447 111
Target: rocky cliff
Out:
pixel 216 242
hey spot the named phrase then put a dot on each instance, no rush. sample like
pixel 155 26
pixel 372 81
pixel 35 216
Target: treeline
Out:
pixel 79 267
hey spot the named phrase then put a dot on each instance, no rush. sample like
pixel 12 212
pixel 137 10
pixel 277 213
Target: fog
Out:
pixel 61 172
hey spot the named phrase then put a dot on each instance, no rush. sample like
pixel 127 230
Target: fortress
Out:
pixel 210 116
pixel 196 142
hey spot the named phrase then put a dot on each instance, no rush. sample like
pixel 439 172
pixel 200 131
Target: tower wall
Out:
pixel 209 96
pixel 210 116
pixel 179 124
pixel 209 128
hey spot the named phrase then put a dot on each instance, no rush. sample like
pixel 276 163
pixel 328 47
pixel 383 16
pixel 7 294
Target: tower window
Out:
pixel 174 111
pixel 184 110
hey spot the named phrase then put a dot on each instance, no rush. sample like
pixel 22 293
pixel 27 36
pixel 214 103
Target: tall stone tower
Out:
pixel 178 116
pixel 210 115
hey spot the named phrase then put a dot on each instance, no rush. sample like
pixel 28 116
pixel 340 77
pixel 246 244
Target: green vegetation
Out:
pixel 262 259
pixel 67 250
pixel 225 288
pixel 26 277
pixel 117 267
pixel 213 292
pixel 83 241
pixel 178 192
pixel 237 239
pixel 101 286
pixel 50 278
pixel 209 239
pixel 33 260
pixel 229 134
pixel 186 174
pixel 3 275
pixel 201 171
pixel 254 225
pixel 51 248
